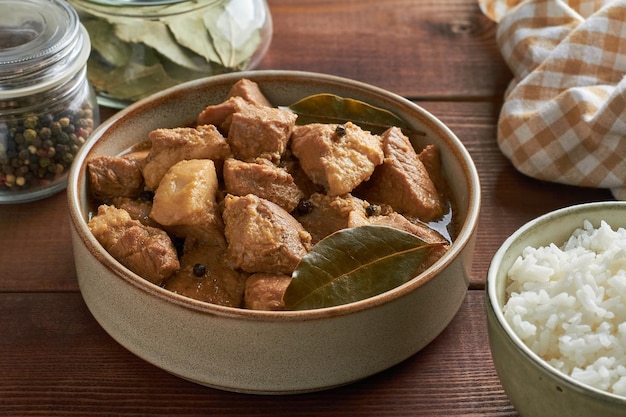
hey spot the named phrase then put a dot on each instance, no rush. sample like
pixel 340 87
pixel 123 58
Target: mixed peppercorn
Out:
pixel 37 149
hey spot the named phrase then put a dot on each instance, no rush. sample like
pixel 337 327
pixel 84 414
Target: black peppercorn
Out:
pixel 304 207
pixel 147 195
pixel 199 270
pixel 340 130
pixel 372 210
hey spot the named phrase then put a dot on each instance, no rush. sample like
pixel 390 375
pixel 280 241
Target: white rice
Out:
pixel 568 304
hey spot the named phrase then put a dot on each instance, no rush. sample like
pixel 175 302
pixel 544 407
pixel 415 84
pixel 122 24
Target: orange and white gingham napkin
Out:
pixel 564 113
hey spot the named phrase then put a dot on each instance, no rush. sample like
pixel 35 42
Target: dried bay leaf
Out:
pixel 330 108
pixel 115 52
pixel 234 39
pixel 353 264
pixel 156 35
pixel 144 80
pixel 191 33
pixel 183 74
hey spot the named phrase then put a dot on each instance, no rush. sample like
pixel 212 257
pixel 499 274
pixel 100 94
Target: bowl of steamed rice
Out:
pixel 556 312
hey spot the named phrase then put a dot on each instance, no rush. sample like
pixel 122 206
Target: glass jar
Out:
pixel 47 107
pixel 140 47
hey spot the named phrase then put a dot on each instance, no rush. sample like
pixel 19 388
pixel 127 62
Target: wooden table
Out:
pixel 55 360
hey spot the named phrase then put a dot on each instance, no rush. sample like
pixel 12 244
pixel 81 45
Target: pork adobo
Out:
pixel 225 210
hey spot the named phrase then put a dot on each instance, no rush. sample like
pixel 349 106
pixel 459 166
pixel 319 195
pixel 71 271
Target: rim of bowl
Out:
pixel 462 240
pixel 497 309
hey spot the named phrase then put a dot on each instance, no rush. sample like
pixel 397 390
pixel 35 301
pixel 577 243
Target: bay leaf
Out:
pixel 236 34
pixel 190 32
pixel 354 264
pixel 181 73
pixel 156 35
pixel 144 80
pixel 331 108
pixel 104 42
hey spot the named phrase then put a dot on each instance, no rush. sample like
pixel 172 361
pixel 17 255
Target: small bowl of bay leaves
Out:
pixel 273 232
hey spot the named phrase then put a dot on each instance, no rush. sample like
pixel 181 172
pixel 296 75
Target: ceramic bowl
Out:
pixel 535 388
pixel 258 351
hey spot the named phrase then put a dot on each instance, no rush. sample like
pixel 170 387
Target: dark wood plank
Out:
pixel 35 246
pixel 416 48
pixel 66 365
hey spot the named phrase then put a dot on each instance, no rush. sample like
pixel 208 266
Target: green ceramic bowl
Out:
pixel 535 388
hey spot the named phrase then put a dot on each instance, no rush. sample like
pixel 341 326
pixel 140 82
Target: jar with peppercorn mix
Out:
pixel 47 107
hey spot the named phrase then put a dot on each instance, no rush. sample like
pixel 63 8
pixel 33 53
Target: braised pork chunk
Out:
pixel 431 159
pixel 249 91
pixel 398 221
pixel 242 92
pixel 420 230
pixel 291 164
pixel 147 251
pixel 262 236
pixel 170 146
pixel 338 157
pixel 252 130
pixel 402 180
pixel 263 179
pixel 185 201
pixel 220 115
pixel 326 214
pixel 112 176
pixel 260 132
pixel 265 291
pixel 137 208
pixel 205 275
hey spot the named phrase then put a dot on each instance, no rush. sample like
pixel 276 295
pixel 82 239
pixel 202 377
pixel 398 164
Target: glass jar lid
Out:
pixel 42 44
pixel 143 8
pixel 136 2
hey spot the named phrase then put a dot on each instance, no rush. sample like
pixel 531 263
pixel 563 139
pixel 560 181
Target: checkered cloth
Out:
pixel 564 113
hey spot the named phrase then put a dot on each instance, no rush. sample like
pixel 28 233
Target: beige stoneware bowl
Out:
pixel 535 388
pixel 270 352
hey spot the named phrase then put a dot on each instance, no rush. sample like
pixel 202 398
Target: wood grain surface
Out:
pixel 55 360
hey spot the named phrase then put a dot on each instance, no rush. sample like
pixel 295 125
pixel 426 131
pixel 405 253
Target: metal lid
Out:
pixel 42 44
